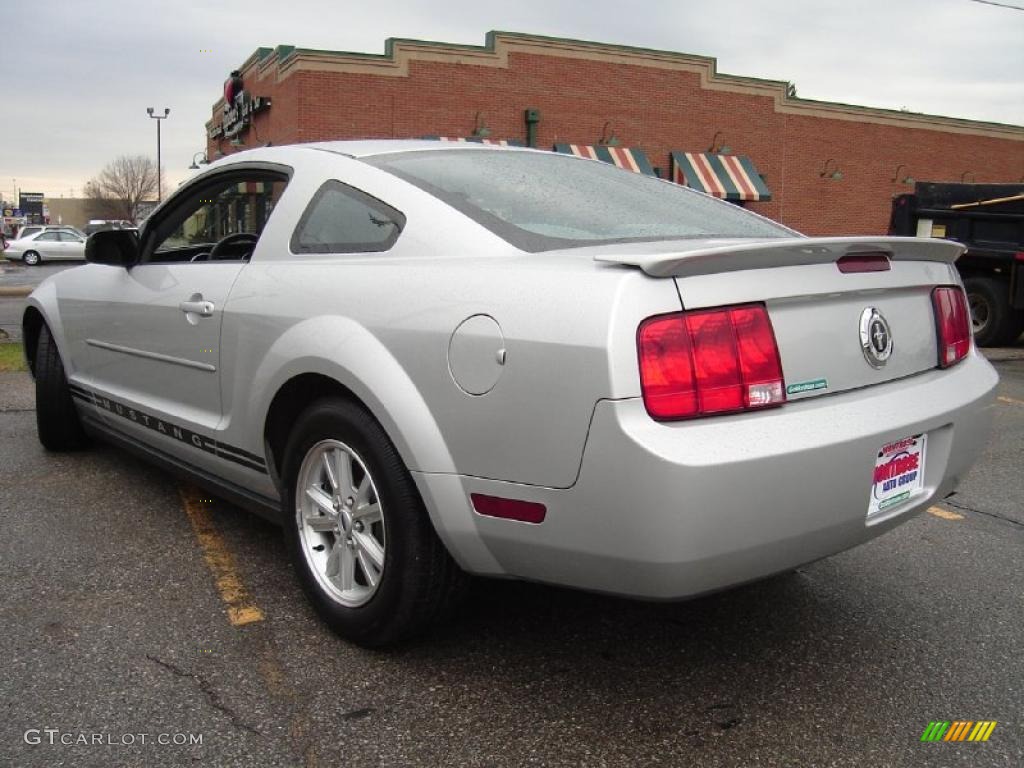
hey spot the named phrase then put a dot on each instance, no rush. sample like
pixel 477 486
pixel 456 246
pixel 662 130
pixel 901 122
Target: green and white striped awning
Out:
pixel 624 157
pixel 730 177
pixel 478 140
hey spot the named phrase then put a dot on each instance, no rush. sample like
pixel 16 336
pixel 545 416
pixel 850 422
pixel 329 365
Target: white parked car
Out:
pixel 426 359
pixel 33 229
pixel 48 245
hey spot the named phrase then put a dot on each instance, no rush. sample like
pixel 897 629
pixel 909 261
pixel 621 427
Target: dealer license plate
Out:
pixel 899 473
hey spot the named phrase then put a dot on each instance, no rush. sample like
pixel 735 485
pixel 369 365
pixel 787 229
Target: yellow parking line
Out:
pixel 945 514
pixel 1012 401
pixel 241 608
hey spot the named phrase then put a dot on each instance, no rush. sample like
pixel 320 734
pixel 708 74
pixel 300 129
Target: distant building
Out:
pixel 820 167
pixel 73 211
pixel 79 211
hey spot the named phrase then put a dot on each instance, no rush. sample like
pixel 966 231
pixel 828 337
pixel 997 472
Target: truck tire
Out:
pixel 995 322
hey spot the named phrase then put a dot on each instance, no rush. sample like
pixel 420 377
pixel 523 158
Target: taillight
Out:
pixel 709 361
pixel 952 324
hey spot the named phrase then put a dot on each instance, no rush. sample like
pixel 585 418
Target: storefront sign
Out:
pixel 239 107
pixel 31 204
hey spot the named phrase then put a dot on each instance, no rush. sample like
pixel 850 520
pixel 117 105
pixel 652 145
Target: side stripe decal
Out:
pixel 168 429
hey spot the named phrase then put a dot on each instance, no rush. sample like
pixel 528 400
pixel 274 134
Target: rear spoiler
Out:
pixel 785 252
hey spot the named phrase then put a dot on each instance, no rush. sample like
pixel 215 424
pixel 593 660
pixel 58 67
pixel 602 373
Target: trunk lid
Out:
pixel 816 309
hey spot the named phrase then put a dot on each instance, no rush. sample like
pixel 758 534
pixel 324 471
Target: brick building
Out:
pixel 831 168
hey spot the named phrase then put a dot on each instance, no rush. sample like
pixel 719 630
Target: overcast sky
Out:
pixel 80 73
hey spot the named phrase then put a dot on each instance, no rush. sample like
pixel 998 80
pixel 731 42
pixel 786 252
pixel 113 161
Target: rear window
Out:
pixel 539 201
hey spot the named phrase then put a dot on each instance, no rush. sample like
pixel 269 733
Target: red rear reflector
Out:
pixel 863 262
pixel 709 361
pixel 509 509
pixel 1019 255
pixel 952 324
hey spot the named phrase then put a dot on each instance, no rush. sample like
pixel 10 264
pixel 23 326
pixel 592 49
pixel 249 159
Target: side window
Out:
pixel 341 219
pixel 68 237
pixel 49 237
pixel 220 220
pixel 29 231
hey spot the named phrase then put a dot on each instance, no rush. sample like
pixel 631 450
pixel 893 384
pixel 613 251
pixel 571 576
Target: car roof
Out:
pixel 370 147
pixel 354 148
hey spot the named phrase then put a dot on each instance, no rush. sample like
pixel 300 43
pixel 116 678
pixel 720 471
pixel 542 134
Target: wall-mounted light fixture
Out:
pixel 719 149
pixel 202 161
pixel 896 179
pixel 480 129
pixel 831 173
pixel 606 140
pixel 965 174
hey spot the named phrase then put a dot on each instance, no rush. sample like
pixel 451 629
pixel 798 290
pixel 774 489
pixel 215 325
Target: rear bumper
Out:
pixel 665 511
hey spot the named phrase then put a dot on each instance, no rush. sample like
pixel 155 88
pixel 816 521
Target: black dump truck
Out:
pixel 989 220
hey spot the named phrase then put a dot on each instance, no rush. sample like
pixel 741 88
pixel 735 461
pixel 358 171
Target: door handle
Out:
pixel 201 308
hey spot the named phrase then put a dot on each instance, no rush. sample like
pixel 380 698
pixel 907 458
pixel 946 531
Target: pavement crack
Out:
pixel 996 515
pixel 357 714
pixel 206 687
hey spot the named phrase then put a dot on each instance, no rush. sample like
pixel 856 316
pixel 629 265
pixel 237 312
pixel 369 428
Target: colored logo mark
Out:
pixel 958 730
pixel 806 386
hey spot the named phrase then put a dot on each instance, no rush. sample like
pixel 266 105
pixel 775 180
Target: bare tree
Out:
pixel 118 191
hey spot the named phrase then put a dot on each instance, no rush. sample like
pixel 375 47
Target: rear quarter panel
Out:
pixel 381 324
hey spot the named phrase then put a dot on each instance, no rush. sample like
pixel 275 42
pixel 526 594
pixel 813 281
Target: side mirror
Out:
pixel 116 247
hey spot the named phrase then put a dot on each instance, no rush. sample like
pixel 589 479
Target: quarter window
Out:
pixel 341 219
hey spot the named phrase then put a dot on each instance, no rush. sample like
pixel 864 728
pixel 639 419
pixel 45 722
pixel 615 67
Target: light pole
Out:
pixel 158 118
pixel 203 161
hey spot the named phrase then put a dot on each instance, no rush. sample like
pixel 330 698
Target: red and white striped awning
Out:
pixel 478 140
pixel 623 157
pixel 730 177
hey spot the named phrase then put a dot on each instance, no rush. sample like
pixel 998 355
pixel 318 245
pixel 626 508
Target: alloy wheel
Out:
pixel 341 522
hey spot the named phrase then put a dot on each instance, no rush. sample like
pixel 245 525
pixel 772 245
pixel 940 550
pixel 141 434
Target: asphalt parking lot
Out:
pixel 116 628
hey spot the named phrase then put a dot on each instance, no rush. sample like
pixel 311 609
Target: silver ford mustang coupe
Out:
pixel 428 359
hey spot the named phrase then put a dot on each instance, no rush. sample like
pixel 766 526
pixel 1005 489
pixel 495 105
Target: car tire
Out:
pixel 339 524
pixel 31 258
pixel 57 420
pixel 995 323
